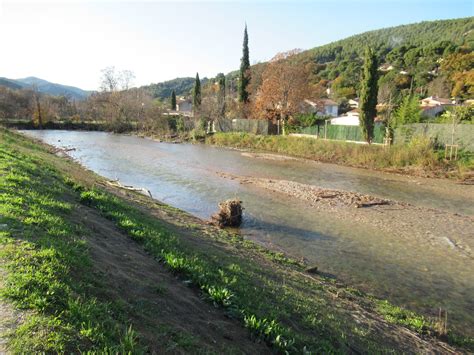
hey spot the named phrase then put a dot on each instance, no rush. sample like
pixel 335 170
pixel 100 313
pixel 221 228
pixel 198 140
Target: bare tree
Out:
pixel 109 80
pixel 126 78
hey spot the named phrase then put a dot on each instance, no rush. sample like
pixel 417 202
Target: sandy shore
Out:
pixel 434 227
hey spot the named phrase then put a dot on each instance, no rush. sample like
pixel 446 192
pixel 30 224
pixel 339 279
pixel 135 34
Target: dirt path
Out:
pixel 166 311
pixel 9 317
pixel 7 321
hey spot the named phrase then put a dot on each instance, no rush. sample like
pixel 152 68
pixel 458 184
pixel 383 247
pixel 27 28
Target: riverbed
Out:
pixel 408 271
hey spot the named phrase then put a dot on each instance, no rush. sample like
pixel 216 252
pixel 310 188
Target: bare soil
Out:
pixel 165 309
pixel 9 317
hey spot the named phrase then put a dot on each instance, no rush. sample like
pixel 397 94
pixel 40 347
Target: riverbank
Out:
pixel 74 281
pixel 417 158
pixel 69 125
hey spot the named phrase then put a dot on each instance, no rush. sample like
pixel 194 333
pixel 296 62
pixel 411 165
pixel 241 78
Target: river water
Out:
pixel 186 176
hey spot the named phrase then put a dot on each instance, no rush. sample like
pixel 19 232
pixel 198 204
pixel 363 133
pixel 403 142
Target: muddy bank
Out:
pixel 432 227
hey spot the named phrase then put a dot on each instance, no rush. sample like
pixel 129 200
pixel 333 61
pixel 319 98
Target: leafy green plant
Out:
pixel 221 296
pixel 399 315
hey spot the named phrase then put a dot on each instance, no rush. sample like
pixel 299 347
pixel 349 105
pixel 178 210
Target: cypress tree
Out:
pixel 173 100
pixel 244 77
pixel 221 94
pixel 197 93
pixel 368 95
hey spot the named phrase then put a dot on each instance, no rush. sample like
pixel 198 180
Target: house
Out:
pixel 432 106
pixel 436 101
pixel 354 103
pixel 386 67
pixel 184 105
pixel 325 107
pixel 431 111
pixel 351 118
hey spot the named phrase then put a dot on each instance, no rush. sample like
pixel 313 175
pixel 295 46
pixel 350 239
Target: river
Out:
pixel 187 176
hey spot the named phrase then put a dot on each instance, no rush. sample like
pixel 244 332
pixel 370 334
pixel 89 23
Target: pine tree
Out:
pixel 173 100
pixel 197 93
pixel 368 95
pixel 244 78
pixel 408 112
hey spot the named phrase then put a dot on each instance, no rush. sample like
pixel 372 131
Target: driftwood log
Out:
pixel 229 214
pixel 142 190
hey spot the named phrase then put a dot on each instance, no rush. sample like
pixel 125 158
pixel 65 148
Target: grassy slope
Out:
pixel 417 157
pixel 49 270
pixel 266 292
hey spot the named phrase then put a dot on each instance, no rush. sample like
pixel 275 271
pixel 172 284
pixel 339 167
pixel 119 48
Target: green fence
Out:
pixel 263 127
pixel 439 133
pixel 346 133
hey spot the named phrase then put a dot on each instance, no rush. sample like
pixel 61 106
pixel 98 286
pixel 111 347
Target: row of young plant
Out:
pixel 215 283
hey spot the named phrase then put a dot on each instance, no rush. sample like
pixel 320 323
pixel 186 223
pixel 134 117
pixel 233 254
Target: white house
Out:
pixel 386 67
pixel 354 103
pixel 436 101
pixel 433 105
pixel 184 105
pixel 325 107
pixel 351 118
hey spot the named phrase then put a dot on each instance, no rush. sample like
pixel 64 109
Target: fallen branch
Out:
pixel 62 150
pixel 142 190
pixel 370 204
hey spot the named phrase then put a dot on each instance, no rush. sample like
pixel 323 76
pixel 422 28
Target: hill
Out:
pixel 54 89
pixel 45 87
pixel 11 84
pixel 182 87
pixel 417 50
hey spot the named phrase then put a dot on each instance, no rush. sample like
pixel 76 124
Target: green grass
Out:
pixel 48 266
pixel 419 154
pixel 401 316
pixel 420 324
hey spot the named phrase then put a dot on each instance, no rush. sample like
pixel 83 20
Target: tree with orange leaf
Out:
pixel 284 87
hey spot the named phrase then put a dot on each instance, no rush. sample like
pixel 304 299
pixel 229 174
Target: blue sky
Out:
pixel 71 41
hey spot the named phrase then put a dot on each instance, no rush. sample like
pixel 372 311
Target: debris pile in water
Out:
pixel 229 215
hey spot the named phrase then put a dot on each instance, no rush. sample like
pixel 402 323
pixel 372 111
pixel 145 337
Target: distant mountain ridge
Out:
pixel 11 84
pixel 45 87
